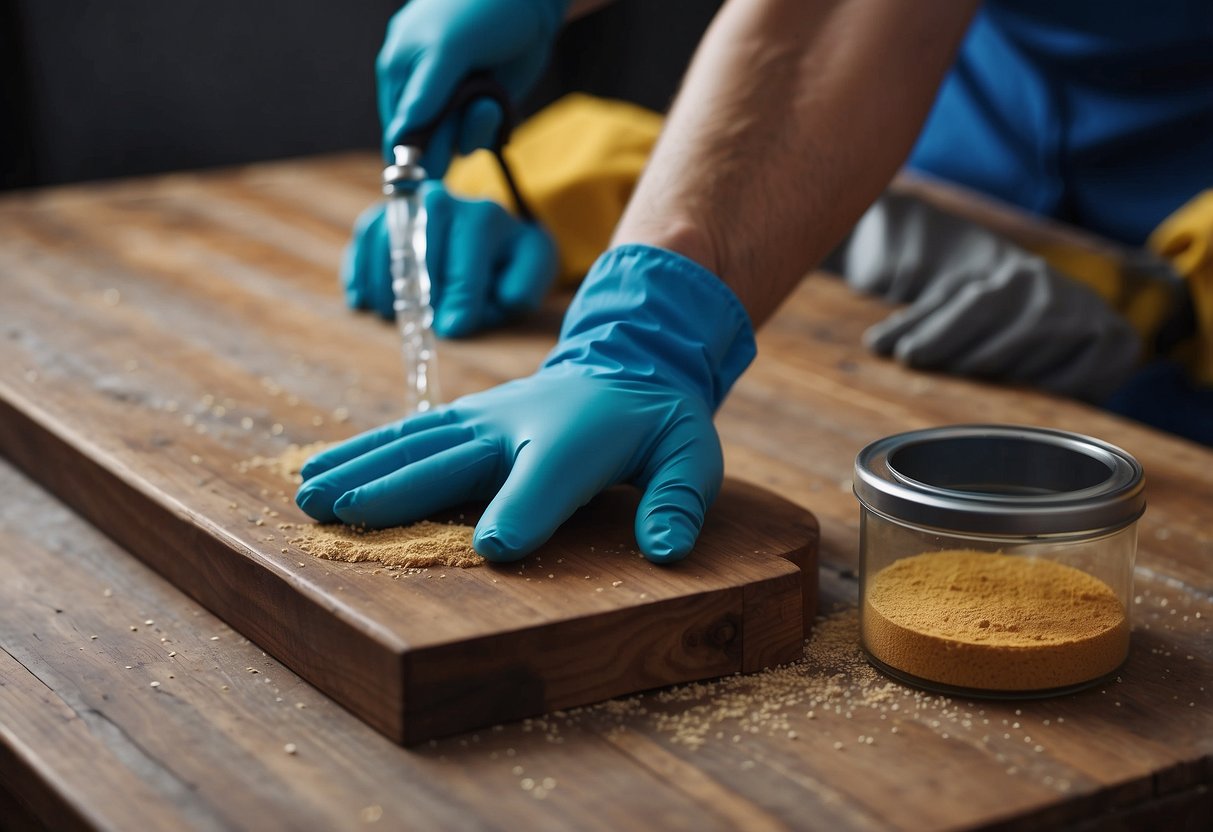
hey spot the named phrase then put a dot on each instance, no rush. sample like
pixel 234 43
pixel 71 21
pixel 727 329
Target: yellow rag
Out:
pixel 576 162
pixel 1186 239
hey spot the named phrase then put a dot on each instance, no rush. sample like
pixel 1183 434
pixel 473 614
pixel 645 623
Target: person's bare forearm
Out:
pixel 792 118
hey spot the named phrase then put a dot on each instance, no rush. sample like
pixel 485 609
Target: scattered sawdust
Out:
pixel 831 679
pixel 823 700
pixel 832 674
pixel 286 465
pixel 417 546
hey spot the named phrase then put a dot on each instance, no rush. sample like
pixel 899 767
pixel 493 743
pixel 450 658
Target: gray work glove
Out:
pixel 980 305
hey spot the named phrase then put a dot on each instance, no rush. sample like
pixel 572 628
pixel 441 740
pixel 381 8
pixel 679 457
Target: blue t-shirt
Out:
pixel 1097 112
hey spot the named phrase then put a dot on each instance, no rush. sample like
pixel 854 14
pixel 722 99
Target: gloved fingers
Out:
pixel 528 271
pixel 417 490
pixel 1042 324
pixel 363 443
pixel 543 489
pixel 1021 323
pixel 882 337
pixel 365 265
pixel 1085 362
pixel 683 484
pixel 1065 331
pixel 958 310
pixel 1016 352
pixel 318 495
pixel 1012 309
pixel 430 80
pixel 479 125
pixel 1016 324
pixel 1060 336
pixel 474 244
pixel 949 332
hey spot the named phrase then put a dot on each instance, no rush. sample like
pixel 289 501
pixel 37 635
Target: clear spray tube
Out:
pixel 406 221
pixel 406 231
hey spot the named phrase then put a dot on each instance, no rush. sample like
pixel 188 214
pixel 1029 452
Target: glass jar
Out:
pixel 997 560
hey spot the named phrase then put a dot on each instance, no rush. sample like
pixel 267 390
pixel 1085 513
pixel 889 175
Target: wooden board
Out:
pixel 86 742
pixel 1135 754
pixel 142 371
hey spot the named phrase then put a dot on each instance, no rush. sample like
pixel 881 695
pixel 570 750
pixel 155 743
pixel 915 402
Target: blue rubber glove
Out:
pixel 432 45
pixel 649 348
pixel 485 265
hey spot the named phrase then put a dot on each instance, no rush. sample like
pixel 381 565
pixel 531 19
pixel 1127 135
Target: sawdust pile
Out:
pixel 417 546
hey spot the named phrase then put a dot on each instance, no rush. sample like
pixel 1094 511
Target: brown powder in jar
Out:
pixel 993 622
pixel 404 547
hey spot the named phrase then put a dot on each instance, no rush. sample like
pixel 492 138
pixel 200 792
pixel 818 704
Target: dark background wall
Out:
pixel 95 88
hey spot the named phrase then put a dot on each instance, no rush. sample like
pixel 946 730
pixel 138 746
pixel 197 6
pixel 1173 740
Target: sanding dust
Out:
pixel 808 699
pixel 286 465
pixel 832 674
pixel 993 622
pixel 417 546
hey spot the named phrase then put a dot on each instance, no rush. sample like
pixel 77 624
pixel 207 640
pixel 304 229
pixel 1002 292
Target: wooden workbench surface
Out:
pixel 86 740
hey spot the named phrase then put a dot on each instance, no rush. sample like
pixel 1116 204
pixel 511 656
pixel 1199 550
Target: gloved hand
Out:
pixel 980 305
pixel 649 348
pixel 1022 322
pixel 485 265
pixel 432 45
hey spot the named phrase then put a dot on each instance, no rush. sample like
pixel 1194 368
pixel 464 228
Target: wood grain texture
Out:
pixel 143 369
pixel 1137 753
pixel 89 743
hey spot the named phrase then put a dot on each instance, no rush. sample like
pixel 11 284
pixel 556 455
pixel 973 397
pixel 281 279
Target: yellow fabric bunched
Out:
pixel 576 162
pixel 1186 239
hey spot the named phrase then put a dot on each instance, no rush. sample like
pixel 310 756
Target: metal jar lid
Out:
pixel 1001 480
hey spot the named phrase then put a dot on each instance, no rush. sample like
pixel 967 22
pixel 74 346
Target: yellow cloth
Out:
pixel 576 163
pixel 1186 239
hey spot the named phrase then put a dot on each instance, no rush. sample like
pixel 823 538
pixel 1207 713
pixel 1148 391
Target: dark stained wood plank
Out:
pixel 89 743
pixel 156 341
pixel 1134 752
pixel 211 737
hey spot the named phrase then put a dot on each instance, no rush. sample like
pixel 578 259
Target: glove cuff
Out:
pixel 646 313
